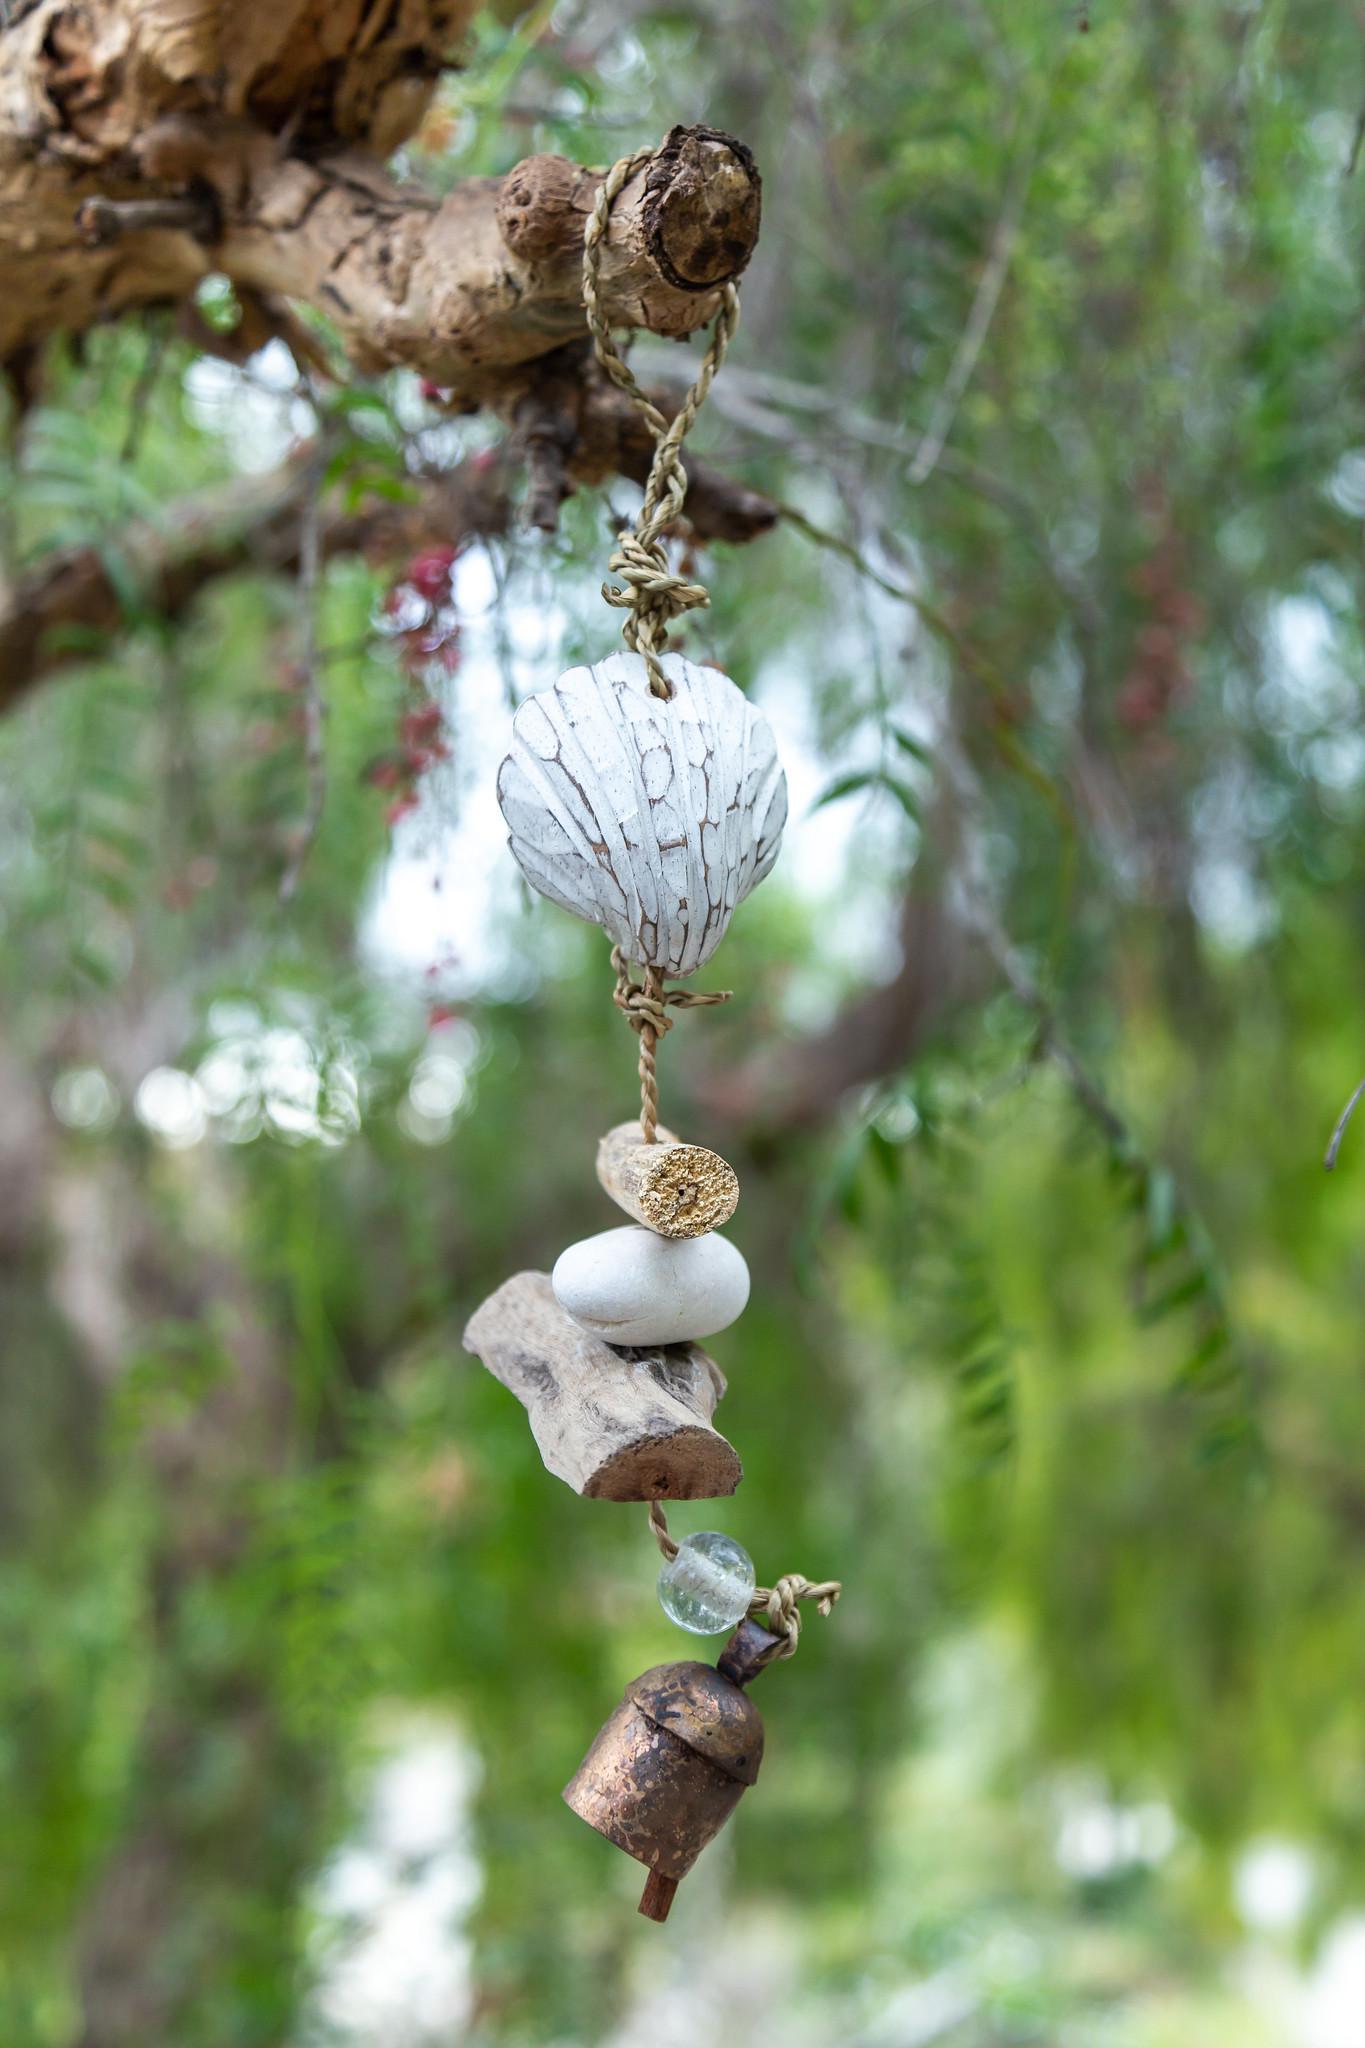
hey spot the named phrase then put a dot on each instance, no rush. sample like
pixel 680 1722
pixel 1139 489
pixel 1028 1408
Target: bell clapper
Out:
pixel 657 1897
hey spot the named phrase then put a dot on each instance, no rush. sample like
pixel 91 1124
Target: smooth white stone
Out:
pixel 651 819
pixel 632 1287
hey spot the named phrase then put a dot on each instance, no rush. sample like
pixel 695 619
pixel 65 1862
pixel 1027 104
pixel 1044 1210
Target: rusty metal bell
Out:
pixel 670 1766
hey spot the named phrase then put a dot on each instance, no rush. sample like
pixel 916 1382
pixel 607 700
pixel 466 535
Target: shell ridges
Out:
pixel 651 819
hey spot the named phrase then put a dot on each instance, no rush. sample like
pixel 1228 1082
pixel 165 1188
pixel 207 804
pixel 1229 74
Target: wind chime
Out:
pixel 645 795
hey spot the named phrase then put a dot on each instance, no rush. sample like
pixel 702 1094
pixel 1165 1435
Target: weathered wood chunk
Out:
pixel 615 1424
pixel 674 1189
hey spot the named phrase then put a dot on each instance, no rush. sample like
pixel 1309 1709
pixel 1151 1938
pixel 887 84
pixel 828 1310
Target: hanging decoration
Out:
pixel 645 795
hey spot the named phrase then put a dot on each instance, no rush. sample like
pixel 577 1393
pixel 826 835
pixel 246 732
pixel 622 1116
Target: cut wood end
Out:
pixel 697 206
pixel 703 207
pixel 688 1192
pixel 688 1464
pixel 675 1190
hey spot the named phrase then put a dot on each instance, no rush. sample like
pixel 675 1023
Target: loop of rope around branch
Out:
pixel 645 1006
pixel 777 1607
pixel 647 589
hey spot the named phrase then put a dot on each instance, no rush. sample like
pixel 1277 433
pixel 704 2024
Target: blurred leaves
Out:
pixel 1066 1396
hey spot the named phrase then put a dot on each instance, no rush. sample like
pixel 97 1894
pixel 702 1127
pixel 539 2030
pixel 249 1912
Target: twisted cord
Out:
pixel 777 1607
pixel 645 1006
pixel 647 589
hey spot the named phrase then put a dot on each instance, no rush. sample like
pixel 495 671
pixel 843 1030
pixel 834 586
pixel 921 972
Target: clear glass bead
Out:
pixel 707 1587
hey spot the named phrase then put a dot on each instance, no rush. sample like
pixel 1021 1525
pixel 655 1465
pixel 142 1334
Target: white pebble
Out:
pixel 630 1286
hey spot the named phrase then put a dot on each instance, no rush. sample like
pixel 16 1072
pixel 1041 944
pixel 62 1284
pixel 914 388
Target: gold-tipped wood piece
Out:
pixel 675 1190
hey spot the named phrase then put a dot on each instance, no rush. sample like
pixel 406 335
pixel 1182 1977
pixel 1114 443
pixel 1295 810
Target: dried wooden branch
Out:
pixel 250 138
pixel 100 221
pixel 314 699
pixel 614 1424
pixel 144 143
pixel 52 616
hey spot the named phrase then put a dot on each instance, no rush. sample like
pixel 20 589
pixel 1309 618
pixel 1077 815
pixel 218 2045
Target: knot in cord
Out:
pixel 778 1610
pixel 647 587
pixel 777 1607
pixel 653 595
pixel 645 1006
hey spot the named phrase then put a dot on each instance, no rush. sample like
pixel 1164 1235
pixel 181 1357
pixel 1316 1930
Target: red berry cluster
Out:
pixel 421 610
pixel 425 627
pixel 422 743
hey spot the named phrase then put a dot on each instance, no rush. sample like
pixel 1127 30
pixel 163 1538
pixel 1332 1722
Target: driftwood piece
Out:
pixel 674 1189
pixel 615 1424
pixel 653 819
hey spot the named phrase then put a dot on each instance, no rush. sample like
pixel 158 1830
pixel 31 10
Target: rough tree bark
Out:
pixel 249 137
pixel 145 144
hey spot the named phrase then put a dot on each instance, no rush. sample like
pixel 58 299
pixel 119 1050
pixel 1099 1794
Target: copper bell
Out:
pixel 669 1768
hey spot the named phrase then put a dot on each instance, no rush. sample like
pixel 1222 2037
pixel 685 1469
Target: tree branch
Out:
pixel 314 701
pixel 598 433
pixel 145 143
pixel 804 1082
pixel 51 617
pixel 1334 1144
pixel 249 138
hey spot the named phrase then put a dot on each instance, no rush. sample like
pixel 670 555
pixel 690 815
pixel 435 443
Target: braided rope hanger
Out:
pixel 649 591
pixel 645 1006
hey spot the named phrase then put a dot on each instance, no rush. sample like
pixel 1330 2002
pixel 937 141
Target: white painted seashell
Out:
pixel 631 1287
pixel 653 818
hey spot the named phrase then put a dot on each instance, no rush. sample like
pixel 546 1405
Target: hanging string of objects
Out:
pixel 645 795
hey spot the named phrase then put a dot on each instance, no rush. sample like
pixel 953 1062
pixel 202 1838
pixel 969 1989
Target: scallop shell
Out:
pixel 653 818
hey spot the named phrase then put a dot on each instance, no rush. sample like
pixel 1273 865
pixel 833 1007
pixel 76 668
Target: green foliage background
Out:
pixel 1061 1377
